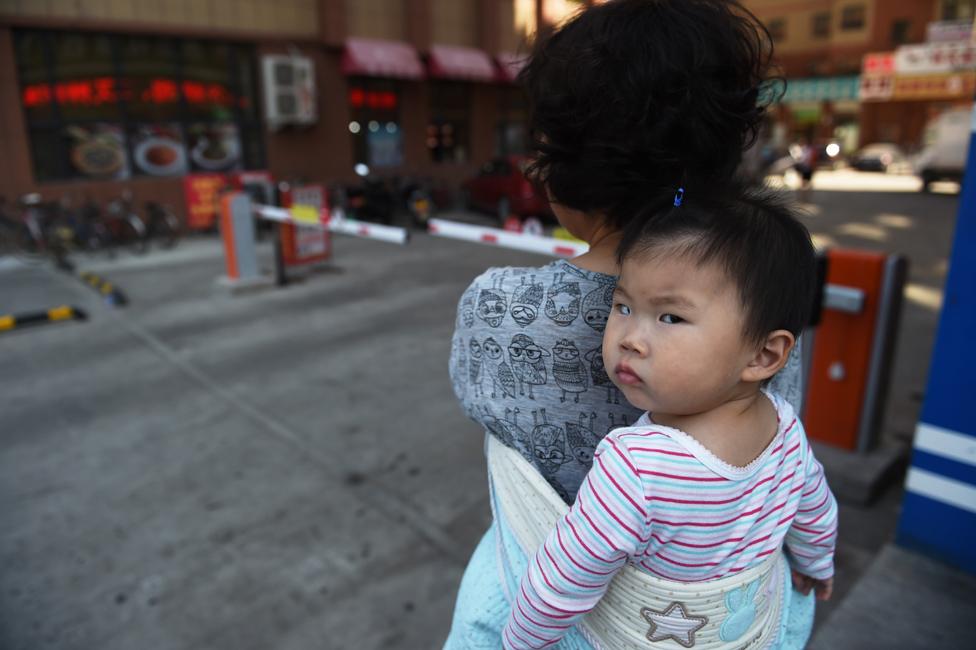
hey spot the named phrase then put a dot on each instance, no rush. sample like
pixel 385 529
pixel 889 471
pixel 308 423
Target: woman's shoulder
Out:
pixel 558 270
pixel 576 301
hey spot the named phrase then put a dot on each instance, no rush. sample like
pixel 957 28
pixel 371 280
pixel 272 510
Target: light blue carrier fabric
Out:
pixel 492 575
pixel 526 364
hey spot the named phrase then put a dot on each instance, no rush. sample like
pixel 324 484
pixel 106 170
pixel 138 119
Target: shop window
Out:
pixel 112 107
pixel 852 17
pixel 777 29
pixel 899 32
pixel 374 105
pixel 820 27
pixel 958 9
pixel 448 130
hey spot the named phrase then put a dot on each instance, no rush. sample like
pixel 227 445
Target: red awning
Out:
pixel 453 62
pixel 377 58
pixel 509 65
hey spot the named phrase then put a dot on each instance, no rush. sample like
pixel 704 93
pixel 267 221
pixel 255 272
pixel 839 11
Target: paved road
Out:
pixel 288 469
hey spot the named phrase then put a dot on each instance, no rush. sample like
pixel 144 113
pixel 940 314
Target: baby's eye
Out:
pixel 671 319
pixel 622 309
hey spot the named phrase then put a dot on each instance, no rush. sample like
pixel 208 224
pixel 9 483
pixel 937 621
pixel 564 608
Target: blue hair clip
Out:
pixel 679 196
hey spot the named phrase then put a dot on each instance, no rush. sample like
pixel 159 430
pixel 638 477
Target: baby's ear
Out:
pixel 771 355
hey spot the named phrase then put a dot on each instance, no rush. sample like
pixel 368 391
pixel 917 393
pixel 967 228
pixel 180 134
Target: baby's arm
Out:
pixel 570 573
pixel 813 534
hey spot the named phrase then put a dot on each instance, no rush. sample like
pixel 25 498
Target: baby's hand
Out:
pixel 804 583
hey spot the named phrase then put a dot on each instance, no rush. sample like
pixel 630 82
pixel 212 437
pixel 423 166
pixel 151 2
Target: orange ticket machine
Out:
pixel 853 346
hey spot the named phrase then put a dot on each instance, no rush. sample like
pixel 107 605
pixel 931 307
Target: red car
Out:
pixel 502 189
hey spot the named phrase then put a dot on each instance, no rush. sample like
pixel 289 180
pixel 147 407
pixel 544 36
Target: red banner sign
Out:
pixel 202 194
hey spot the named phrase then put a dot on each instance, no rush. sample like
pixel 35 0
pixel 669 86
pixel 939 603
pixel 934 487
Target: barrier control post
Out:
pixel 853 346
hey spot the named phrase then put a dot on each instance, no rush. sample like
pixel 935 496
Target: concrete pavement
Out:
pixel 289 469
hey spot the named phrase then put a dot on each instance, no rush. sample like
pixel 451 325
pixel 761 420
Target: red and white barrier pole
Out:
pixel 338 224
pixel 505 238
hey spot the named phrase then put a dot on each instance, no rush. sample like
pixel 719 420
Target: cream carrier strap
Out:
pixel 640 610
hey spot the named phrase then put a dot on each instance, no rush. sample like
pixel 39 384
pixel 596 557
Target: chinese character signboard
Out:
pixel 202 193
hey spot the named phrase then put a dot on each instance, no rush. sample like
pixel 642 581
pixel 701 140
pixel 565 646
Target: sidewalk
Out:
pixel 904 600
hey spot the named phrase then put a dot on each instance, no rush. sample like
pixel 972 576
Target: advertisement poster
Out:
pixel 306 245
pixel 158 150
pixel 98 151
pixel 202 194
pixel 214 147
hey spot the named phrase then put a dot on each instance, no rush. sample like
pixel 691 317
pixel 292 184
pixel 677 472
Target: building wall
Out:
pixel 454 23
pixel 278 17
pixel 801 54
pixel 316 28
pixel 376 19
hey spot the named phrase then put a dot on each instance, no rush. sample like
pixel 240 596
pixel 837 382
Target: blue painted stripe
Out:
pixel 939 530
pixel 944 466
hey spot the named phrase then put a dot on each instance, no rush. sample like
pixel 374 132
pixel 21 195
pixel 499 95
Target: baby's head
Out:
pixel 711 298
pixel 632 98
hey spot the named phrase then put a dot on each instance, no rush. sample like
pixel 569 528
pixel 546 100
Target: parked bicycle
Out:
pixel 162 224
pixel 28 227
pixel 125 226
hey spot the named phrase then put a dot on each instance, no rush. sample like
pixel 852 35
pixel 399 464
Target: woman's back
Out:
pixel 526 364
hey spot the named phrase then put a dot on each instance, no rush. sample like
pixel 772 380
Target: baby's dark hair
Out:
pixel 632 98
pixel 755 237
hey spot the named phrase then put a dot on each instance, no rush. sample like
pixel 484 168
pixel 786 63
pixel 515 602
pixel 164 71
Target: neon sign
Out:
pixel 385 99
pixel 104 90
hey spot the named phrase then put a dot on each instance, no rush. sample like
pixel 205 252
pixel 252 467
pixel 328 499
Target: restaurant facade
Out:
pixel 97 97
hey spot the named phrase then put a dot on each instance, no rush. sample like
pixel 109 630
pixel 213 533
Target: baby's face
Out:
pixel 673 342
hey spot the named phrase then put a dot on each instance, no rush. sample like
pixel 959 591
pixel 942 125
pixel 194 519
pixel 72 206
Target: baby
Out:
pixel 715 477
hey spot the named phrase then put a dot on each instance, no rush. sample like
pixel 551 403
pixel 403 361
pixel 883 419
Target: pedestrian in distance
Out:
pixel 689 507
pixel 629 101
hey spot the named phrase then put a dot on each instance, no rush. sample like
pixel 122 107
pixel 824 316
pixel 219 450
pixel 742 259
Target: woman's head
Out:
pixel 632 98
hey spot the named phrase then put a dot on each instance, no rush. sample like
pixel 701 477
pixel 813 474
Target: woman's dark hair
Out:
pixel 754 236
pixel 633 98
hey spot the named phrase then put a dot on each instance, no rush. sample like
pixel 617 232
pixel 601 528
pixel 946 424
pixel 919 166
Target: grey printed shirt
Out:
pixel 526 364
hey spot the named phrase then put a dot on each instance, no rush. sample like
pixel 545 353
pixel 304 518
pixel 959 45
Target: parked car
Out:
pixel 877 157
pixel 946 146
pixel 502 189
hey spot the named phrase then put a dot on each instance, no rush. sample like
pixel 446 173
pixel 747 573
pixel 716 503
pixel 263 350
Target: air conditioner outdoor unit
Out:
pixel 289 90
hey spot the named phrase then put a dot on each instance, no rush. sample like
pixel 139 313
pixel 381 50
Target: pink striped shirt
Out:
pixel 658 499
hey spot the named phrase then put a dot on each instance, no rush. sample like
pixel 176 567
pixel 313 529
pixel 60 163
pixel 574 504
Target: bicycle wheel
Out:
pixel 134 234
pixel 168 230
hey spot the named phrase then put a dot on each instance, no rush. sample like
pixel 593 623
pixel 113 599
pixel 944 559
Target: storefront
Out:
pixel 904 90
pixel 94 104
pixel 110 107
pixel 820 110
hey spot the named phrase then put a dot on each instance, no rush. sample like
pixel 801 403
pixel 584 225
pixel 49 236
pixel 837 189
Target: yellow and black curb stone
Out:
pixel 111 293
pixel 62 313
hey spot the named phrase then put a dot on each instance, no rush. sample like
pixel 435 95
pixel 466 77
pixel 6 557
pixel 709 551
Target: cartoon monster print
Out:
pixel 561 490
pixel 617 425
pixel 466 311
pixel 563 301
pixel 496 369
pixel 526 300
pixel 548 443
pixel 596 306
pixel 493 303
pixel 475 373
pixel 460 371
pixel 582 440
pixel 598 373
pixel 508 430
pixel 527 363
pixel 568 370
